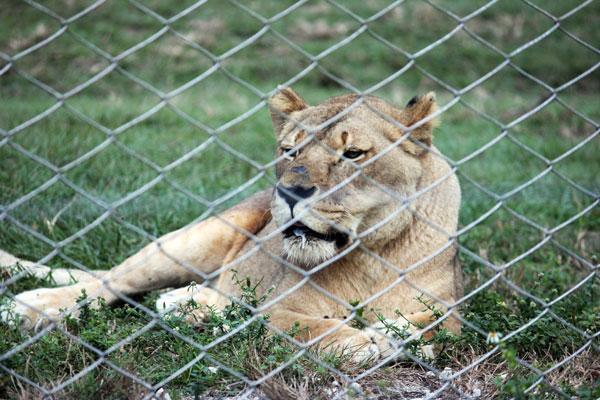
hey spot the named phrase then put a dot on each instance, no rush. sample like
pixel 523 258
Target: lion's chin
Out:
pixel 308 253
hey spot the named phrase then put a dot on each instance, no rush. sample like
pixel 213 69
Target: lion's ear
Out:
pixel 416 110
pixel 282 104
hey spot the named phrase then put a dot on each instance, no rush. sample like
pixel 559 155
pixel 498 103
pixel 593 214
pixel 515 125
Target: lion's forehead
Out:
pixel 359 127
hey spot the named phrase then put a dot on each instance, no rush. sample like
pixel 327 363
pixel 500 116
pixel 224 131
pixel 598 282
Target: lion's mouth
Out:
pixel 304 233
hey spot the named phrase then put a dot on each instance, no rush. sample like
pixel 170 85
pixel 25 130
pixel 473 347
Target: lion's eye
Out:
pixel 289 153
pixel 353 154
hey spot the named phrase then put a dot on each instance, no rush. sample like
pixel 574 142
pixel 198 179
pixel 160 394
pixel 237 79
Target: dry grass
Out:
pixel 582 370
pixel 126 389
pixel 404 381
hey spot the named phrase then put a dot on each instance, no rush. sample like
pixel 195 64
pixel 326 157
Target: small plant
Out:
pixel 358 321
pixel 402 332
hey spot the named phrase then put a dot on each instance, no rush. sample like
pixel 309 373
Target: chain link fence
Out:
pixel 523 297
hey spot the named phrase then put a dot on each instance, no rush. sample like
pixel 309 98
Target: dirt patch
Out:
pixel 319 29
pixel 205 32
pixel 18 44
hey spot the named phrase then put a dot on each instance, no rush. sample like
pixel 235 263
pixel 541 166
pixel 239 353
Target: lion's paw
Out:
pixel 366 346
pixel 409 332
pixel 35 309
pixel 169 301
pixel 184 302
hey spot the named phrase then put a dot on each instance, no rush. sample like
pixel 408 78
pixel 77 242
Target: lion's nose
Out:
pixel 293 194
pixel 299 169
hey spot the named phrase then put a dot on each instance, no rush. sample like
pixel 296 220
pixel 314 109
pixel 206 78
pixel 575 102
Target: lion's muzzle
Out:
pixel 293 194
pixel 312 238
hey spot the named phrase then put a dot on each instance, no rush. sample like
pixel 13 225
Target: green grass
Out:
pixel 131 159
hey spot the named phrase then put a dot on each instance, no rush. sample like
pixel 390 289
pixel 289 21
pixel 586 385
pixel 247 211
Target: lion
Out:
pixel 363 216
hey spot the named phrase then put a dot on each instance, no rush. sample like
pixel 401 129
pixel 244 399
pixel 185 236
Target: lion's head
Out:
pixel 349 178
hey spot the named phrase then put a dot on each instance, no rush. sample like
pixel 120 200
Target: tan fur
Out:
pixel 405 187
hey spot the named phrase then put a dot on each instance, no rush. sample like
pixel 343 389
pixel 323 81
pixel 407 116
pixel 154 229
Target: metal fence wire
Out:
pixel 447 380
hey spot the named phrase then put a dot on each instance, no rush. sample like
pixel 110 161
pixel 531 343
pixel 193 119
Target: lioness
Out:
pixel 360 212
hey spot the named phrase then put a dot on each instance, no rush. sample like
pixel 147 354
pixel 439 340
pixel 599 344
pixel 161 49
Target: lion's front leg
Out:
pixel 58 276
pixel 175 259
